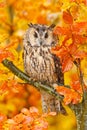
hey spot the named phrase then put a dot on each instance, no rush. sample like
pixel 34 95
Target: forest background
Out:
pixel 16 97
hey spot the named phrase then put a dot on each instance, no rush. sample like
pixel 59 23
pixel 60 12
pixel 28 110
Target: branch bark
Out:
pixel 81 109
pixel 38 85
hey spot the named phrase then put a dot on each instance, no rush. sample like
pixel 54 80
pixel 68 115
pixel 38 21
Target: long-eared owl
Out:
pixel 40 64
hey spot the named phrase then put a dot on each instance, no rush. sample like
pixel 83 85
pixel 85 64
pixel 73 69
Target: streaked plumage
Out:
pixel 40 64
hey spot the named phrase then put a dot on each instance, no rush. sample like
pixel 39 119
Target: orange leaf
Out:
pixel 25 111
pixel 64 54
pixel 34 112
pixel 4 87
pixel 59 51
pixel 67 17
pixel 40 125
pixel 61 30
pixel 70 96
pixel 80 1
pixel 28 120
pixel 2 118
pixel 78 27
pixel 85 2
pixel 79 39
pixel 19 118
pixel 80 54
pixel 67 63
pixel 72 48
pixel 75 83
pixel 5 54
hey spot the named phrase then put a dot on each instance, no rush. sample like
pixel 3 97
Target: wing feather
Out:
pixel 58 67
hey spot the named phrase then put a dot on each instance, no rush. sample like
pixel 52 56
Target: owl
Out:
pixel 41 65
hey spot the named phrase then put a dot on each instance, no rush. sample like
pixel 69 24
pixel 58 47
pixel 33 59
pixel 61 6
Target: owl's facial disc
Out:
pixel 41 35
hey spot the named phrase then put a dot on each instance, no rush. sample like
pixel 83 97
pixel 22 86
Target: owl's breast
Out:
pixel 39 64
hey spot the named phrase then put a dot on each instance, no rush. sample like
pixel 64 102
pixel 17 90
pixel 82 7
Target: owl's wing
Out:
pixel 60 76
pixel 59 72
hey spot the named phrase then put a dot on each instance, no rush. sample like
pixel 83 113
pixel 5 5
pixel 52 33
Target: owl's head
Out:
pixel 40 35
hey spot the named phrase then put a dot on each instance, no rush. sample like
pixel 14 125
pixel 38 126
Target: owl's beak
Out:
pixel 40 42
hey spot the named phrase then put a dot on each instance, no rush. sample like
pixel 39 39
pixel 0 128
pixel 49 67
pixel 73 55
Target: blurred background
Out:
pixel 14 18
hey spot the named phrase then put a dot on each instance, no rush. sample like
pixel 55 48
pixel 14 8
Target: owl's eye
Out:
pixel 35 35
pixel 46 35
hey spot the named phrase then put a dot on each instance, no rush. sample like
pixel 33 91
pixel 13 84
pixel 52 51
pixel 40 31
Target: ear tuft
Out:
pixel 51 26
pixel 30 25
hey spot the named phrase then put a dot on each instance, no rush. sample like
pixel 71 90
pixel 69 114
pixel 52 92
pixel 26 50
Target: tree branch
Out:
pixel 81 110
pixel 9 64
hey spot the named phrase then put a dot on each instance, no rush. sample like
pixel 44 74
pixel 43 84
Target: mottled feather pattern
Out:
pixel 41 65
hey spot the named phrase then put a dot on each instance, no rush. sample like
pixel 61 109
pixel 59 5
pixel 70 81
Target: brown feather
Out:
pixel 41 65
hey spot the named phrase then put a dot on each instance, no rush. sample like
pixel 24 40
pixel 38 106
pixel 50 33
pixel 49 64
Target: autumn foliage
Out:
pixel 27 119
pixel 76 33
pixel 16 97
pixel 70 52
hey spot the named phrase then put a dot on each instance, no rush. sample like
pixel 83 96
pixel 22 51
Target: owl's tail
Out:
pixel 51 104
